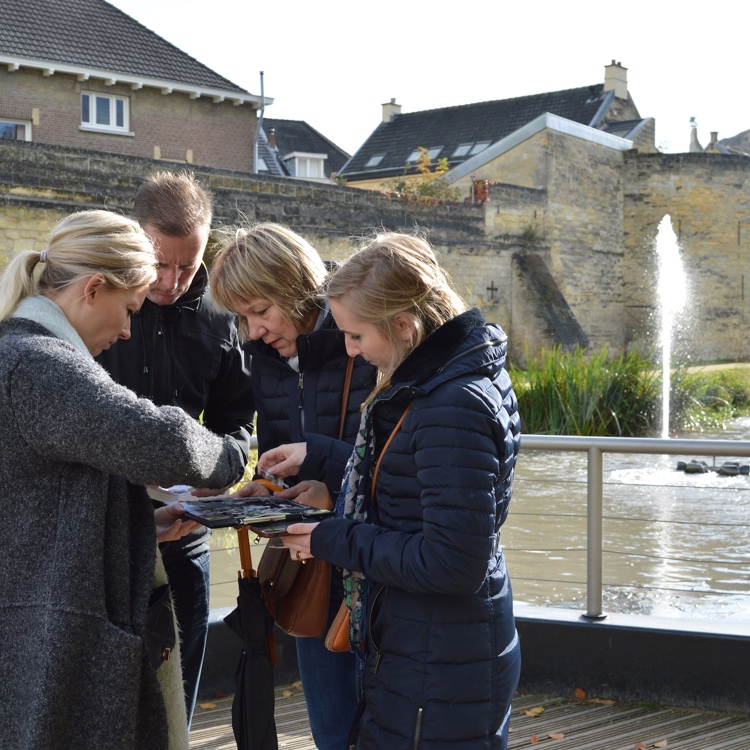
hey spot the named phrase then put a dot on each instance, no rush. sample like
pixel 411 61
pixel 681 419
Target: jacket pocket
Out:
pixel 376 620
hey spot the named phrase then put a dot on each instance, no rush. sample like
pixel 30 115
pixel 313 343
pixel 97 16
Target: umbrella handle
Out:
pixel 246 558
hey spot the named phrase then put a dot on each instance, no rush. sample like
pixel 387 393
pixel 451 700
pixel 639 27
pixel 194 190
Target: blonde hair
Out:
pixel 396 274
pixel 272 262
pixel 81 245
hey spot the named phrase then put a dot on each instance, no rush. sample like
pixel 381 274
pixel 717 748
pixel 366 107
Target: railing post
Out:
pixel 594 536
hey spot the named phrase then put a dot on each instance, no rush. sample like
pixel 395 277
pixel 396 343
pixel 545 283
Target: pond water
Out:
pixel 675 544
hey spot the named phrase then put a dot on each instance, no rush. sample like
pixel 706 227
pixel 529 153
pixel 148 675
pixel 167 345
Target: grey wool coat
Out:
pixel 78 540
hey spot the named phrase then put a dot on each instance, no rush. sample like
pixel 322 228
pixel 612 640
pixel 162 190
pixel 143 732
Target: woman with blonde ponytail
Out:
pixel 78 531
pixel 425 493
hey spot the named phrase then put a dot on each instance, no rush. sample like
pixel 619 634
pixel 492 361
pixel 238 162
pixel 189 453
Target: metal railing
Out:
pixel 596 447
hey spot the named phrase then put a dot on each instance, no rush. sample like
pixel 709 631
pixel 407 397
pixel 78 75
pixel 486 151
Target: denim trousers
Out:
pixel 188 579
pixel 328 684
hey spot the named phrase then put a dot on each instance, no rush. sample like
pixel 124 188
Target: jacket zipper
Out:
pixel 369 629
pixel 300 383
pixel 418 728
pixel 151 372
pixel 476 348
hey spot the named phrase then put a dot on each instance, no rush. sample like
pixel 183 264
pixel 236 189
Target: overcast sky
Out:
pixel 334 62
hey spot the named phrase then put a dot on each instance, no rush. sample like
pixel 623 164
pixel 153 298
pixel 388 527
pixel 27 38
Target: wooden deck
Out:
pixel 583 724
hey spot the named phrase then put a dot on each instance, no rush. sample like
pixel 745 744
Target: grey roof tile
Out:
pixel 95 34
pixel 451 127
pixel 297 135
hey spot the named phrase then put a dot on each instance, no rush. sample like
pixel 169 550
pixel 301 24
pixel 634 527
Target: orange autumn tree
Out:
pixel 428 185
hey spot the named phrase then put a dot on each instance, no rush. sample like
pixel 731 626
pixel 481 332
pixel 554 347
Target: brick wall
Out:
pixel 216 135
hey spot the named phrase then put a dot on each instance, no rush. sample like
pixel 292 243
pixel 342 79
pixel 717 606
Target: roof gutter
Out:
pixel 603 107
pixel 135 82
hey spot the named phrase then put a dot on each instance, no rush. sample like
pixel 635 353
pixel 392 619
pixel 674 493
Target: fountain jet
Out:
pixel 672 292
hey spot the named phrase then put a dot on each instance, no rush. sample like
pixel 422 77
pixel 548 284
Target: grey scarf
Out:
pixel 47 313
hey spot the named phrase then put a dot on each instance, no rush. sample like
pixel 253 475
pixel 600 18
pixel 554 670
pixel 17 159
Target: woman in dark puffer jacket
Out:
pixel 273 279
pixel 429 597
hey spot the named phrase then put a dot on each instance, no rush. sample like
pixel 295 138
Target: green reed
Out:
pixel 588 393
pixel 592 393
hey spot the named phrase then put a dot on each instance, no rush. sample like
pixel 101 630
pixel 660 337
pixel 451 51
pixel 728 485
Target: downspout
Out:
pixel 259 126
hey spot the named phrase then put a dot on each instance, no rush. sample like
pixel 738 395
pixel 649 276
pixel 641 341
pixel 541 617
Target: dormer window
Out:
pixel 310 166
pixel 374 160
pixel 433 153
pixel 105 112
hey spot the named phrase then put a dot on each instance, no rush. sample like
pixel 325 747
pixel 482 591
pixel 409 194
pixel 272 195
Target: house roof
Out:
pixel 477 124
pixel 94 34
pixel 296 136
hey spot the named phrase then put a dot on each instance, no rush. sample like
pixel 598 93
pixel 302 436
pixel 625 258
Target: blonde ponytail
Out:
pixel 80 245
pixel 18 281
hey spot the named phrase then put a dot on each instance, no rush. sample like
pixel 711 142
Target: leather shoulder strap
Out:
pixel 385 448
pixel 345 398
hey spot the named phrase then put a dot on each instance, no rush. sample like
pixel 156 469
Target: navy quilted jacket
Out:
pixel 443 656
pixel 306 405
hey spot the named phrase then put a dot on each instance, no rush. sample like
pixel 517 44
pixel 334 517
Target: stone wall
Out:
pixel 708 199
pixel 589 215
pixel 565 201
pixel 39 184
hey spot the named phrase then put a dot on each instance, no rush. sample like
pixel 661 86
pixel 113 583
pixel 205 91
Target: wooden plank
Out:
pixel 212 727
pixel 585 725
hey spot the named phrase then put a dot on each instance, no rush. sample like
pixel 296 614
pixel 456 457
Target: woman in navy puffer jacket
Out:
pixel 273 278
pixel 429 597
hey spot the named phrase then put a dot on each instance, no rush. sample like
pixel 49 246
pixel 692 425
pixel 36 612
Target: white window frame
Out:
pixel 113 99
pixel 479 146
pixel 464 148
pixel 297 158
pixel 433 153
pixel 25 123
pixel 374 160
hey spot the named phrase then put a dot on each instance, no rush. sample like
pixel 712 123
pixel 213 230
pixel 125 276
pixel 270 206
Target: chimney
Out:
pixel 272 137
pixel 616 79
pixel 695 146
pixel 390 110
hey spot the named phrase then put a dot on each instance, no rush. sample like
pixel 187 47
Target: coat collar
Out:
pixel 438 348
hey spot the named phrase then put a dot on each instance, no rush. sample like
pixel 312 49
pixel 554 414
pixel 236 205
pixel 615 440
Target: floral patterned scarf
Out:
pixel 351 503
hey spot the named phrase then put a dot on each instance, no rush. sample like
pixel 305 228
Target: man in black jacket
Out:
pixel 185 353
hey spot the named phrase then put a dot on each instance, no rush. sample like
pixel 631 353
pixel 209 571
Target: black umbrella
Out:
pixel 253 706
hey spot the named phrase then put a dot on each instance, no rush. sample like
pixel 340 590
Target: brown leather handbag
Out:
pixel 296 592
pixel 337 637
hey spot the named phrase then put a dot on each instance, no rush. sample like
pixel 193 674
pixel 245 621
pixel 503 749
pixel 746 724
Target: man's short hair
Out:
pixel 174 203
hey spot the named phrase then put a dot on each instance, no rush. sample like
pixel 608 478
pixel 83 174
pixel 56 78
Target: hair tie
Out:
pixel 43 256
